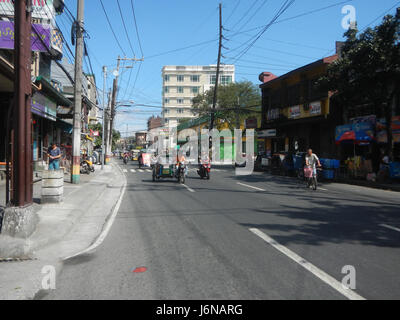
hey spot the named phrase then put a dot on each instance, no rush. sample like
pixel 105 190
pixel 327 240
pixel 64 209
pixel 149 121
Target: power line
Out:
pixel 112 29
pixel 126 30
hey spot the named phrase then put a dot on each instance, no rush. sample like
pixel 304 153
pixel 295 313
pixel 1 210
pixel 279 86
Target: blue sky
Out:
pixel 166 25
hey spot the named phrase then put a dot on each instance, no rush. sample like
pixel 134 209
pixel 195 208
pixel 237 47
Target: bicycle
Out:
pixel 311 175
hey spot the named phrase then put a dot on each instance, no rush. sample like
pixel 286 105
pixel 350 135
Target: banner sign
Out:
pixel 315 108
pixel 41 9
pixel 273 114
pixel 7 36
pixel 294 112
pixel 356 132
pixel 251 123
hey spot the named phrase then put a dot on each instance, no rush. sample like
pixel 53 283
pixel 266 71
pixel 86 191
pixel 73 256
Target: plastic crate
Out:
pixel 328 174
pixel 395 170
pixel 335 164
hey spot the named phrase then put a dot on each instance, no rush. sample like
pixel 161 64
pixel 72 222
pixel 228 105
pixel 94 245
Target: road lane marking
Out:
pixel 148 170
pixel 248 186
pixel 329 280
pixel 140 170
pixel 390 227
pixel 108 224
pixel 189 189
pixel 125 171
pixel 133 170
pixel 323 189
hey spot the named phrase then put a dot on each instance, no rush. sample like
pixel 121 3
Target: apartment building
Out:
pixel 182 83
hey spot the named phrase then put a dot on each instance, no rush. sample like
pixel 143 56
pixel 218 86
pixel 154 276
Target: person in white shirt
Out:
pixel 312 160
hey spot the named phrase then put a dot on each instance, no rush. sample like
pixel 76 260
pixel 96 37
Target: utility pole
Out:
pixel 107 126
pixel 218 69
pixel 76 142
pixel 115 93
pixel 22 170
pixel 103 158
pixel 113 102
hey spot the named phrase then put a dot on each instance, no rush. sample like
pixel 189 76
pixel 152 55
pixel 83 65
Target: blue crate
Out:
pixel 395 170
pixel 335 164
pixel 328 174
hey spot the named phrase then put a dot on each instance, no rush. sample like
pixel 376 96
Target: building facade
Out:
pixel 154 123
pixel 296 113
pixel 182 83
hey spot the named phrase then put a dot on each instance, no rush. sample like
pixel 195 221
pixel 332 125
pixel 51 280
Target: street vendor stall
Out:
pixel 356 140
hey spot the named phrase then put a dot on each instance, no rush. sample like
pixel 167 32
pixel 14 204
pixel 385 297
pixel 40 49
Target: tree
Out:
pixel 235 102
pixel 98 141
pixel 368 71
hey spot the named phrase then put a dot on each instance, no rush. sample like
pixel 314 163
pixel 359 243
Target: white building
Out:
pixel 182 83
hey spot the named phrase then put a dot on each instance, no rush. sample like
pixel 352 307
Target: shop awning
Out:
pixel 53 93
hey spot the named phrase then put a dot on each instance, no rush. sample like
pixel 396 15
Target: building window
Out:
pixel 166 89
pixel 213 79
pixel 180 90
pixel 166 78
pixel 195 78
pixel 166 111
pixel 180 78
pixel 195 90
pixel 180 101
pixel 166 101
pixel 180 111
pixel 225 80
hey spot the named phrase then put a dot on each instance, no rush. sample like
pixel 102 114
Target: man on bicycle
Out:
pixel 312 160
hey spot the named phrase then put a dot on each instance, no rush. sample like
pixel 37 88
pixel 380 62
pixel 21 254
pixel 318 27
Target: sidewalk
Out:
pixel 63 230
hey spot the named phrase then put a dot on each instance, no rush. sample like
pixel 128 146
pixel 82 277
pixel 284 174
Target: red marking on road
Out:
pixel 140 270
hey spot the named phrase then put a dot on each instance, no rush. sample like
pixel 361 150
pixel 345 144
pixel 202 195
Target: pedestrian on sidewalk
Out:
pixel 54 153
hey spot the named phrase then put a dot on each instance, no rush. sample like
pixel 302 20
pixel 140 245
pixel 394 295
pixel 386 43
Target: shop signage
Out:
pixel 315 108
pixel 7 36
pixel 273 114
pixel 44 107
pixel 294 112
pixel 251 123
pixel 355 132
pixel 267 133
pixel 41 9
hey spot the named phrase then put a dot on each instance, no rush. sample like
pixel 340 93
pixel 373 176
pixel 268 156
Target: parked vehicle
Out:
pixel 86 166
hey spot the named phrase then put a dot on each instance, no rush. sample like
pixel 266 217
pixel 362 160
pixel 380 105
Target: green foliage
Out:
pixel 234 101
pixel 368 71
pixel 98 140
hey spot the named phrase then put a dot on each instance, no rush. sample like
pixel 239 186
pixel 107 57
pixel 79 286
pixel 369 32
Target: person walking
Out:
pixel 54 153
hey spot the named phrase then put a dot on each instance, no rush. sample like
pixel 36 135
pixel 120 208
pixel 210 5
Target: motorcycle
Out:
pixel 86 166
pixel 180 173
pixel 126 158
pixel 204 171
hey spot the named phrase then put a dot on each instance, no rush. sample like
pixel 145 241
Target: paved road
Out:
pixel 252 237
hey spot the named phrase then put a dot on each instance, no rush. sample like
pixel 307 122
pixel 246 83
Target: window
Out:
pixel 195 78
pixel 166 78
pixel 226 80
pixel 180 101
pixel 180 78
pixel 180 111
pixel 180 90
pixel 166 89
pixel 195 90
pixel 166 111
pixel 166 101
pixel 213 79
